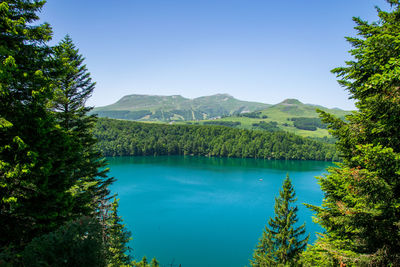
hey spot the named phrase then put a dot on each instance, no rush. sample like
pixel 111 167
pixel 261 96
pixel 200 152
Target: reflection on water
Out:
pixel 210 162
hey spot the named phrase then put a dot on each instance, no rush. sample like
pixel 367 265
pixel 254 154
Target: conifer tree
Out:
pixel 118 238
pixel 33 188
pixel 144 263
pixel 360 211
pixel 50 170
pixel 73 87
pixel 281 242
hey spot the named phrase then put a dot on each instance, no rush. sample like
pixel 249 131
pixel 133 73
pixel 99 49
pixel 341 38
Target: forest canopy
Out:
pixel 127 138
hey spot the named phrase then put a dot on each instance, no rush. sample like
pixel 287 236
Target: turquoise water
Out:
pixel 198 211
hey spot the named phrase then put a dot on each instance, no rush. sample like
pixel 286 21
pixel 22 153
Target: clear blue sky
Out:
pixel 257 50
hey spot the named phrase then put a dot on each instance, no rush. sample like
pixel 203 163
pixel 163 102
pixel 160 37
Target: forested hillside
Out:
pixel 122 138
pixel 290 115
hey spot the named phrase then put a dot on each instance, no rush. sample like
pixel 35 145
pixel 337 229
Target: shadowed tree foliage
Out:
pixel 77 243
pixel 361 211
pixel 33 186
pixel 51 175
pixel 282 242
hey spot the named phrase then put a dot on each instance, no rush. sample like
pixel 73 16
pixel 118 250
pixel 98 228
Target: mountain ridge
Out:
pixel 289 115
pixel 176 107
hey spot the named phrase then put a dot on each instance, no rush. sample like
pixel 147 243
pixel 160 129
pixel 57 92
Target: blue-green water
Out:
pixel 198 211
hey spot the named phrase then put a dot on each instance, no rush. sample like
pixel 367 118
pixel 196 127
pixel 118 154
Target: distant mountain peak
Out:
pixel 176 107
pixel 144 95
pixel 291 101
pixel 223 95
pixel 216 96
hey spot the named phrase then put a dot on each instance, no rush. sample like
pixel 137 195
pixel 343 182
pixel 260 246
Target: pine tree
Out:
pixel 73 87
pixel 360 211
pixel 90 190
pixel 33 189
pixel 50 170
pixel 118 239
pixel 281 242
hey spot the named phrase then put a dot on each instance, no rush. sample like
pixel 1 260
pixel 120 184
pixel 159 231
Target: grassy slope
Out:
pixel 148 102
pixel 281 112
pixel 179 108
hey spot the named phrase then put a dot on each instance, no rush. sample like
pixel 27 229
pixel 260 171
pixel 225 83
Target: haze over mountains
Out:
pixel 178 108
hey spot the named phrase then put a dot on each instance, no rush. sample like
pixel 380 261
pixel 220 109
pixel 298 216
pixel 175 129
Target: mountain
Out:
pixel 290 108
pixel 176 107
pixel 222 109
pixel 290 115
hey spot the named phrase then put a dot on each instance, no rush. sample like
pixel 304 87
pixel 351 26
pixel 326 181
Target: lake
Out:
pixel 199 211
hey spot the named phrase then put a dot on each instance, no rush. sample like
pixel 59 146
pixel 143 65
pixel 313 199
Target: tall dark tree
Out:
pixel 74 83
pixel 50 171
pixel 33 188
pixel 85 163
pixel 361 210
pixel 282 242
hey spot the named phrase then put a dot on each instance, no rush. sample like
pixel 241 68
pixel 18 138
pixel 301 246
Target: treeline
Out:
pixel 126 138
pixel 308 124
pixel 223 123
pixel 271 126
pixel 253 115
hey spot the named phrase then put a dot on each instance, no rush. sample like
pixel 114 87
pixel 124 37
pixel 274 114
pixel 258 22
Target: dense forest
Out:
pixel 309 124
pixel 223 123
pixel 254 115
pixel 122 138
pixel 271 126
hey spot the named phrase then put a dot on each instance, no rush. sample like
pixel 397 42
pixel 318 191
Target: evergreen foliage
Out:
pixel 118 240
pixel 271 126
pixel 223 123
pixel 127 138
pixel 33 188
pixel 144 263
pixel 360 211
pixel 254 115
pixel 309 124
pixel 281 242
pixel 77 243
pixel 74 87
pixel 53 184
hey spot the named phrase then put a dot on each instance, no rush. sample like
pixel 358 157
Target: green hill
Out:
pixel 222 109
pixel 176 107
pixel 290 115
